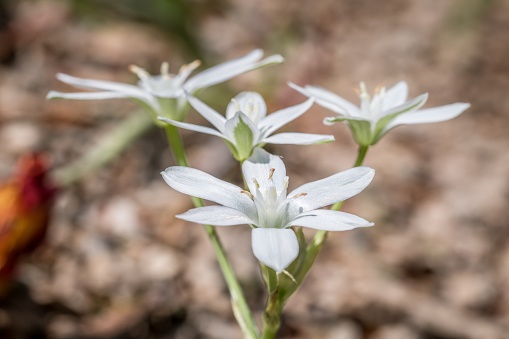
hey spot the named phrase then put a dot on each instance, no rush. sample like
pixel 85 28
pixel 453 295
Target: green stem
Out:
pixel 176 145
pixel 363 150
pixel 106 149
pixel 275 302
pixel 272 316
pixel 318 240
pixel 240 307
pixel 320 236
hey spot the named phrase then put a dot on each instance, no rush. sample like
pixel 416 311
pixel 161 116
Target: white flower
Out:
pixel 268 207
pixel 164 94
pixel 380 113
pixel 247 126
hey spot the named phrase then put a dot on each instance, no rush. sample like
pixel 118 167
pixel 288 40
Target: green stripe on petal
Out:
pixel 241 130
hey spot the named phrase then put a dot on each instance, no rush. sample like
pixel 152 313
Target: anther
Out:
pixel 140 72
pixel 190 67
pixel 380 88
pixel 256 183
pixel 247 193
pixel 286 181
pixel 363 90
pixel 303 194
pixel 271 172
pixel 165 69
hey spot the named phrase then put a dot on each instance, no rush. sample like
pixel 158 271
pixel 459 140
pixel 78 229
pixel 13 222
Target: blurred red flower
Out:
pixel 26 200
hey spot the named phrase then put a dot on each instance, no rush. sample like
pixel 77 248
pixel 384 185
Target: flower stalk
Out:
pixel 316 244
pixel 240 307
pixel 272 315
pixel 278 296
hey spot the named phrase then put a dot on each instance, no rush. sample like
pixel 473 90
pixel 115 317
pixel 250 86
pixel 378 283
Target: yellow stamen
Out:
pixel 303 194
pixel 191 67
pixel 165 69
pixel 379 87
pixel 256 183
pixel 271 172
pixel 140 72
pixel 247 193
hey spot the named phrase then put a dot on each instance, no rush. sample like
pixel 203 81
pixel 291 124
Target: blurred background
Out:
pixel 115 263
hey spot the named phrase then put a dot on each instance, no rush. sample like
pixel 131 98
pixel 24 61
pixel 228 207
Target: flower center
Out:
pixel 165 85
pixel 371 107
pixel 272 205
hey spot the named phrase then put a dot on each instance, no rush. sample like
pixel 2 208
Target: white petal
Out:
pixel 131 91
pixel 395 96
pixel 275 247
pixel 328 220
pixel 244 102
pixel 429 115
pixel 191 127
pixel 86 95
pixel 102 85
pixel 330 190
pixel 216 119
pixel 199 184
pixel 216 215
pixel 329 100
pixel 258 167
pixel 298 139
pixel 280 118
pixel 409 106
pixel 230 69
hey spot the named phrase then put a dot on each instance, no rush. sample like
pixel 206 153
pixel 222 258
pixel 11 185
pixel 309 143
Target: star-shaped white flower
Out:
pixel 382 112
pixel 164 94
pixel 247 126
pixel 268 207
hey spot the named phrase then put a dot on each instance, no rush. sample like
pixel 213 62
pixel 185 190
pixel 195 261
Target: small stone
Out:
pixel 395 332
pixel 157 263
pixel 19 137
pixel 345 330
pixel 120 218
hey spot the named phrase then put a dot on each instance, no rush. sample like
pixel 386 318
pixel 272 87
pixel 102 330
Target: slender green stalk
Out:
pixel 176 145
pixel 320 236
pixel 360 159
pixel 276 300
pixel 240 307
pixel 272 316
pixel 363 150
pixel 107 148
